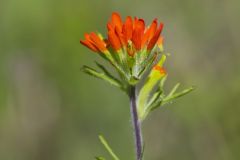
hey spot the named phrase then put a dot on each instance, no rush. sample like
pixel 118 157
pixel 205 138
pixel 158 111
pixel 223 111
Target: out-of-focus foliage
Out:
pixel 50 110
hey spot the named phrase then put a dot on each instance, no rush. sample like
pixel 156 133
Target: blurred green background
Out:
pixel 49 110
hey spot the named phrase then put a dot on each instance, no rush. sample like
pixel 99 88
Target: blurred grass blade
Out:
pixel 102 76
pixel 108 148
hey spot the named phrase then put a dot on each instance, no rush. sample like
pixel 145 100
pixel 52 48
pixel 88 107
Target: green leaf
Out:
pixel 102 76
pixel 107 147
pixel 156 104
pixel 170 97
pixel 153 102
pixel 155 97
pixel 146 66
pixel 143 96
pixel 159 93
pixel 173 90
pixel 177 95
pixel 106 72
pixel 99 158
pixel 162 82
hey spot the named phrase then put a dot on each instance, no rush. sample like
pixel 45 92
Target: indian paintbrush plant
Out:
pixel 136 53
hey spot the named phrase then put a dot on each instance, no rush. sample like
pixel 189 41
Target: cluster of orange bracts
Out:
pixel 131 35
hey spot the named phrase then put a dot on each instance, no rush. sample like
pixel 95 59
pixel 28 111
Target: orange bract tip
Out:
pixel 110 26
pixel 98 42
pixel 149 32
pixel 135 21
pixel 160 41
pixel 153 28
pixel 160 69
pixel 116 20
pixel 114 40
pixel 139 27
pixel 89 45
pixel 121 37
pixel 128 28
pixel 155 37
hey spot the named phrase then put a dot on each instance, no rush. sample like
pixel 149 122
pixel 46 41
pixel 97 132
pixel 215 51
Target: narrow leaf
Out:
pixel 154 101
pixel 99 75
pixel 107 147
pixel 107 72
pixel 162 82
pixel 155 97
pixel 156 104
pixel 161 101
pixel 173 90
pixel 177 95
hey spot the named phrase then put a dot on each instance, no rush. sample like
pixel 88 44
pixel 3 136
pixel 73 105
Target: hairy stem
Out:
pixel 136 123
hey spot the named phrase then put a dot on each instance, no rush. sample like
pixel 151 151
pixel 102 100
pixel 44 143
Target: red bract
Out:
pixel 94 42
pixel 155 37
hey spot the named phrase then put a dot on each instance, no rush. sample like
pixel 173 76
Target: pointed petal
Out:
pixel 138 33
pixel 128 28
pixel 89 45
pixel 150 32
pixel 99 43
pixel 135 22
pixel 154 39
pixel 116 20
pixel 121 37
pixel 114 40
pixel 110 26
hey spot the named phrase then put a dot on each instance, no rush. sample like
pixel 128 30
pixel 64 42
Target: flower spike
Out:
pixel 135 50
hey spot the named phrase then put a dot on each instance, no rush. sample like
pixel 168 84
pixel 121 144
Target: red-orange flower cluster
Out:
pixel 131 34
pixel 121 33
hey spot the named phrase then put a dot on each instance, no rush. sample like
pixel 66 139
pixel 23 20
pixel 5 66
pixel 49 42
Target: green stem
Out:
pixel 136 123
